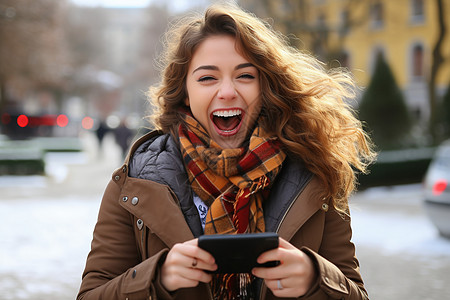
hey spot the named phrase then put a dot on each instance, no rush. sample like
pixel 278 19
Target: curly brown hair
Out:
pixel 303 104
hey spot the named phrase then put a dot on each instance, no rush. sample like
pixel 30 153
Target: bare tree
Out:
pixel 84 28
pixel 158 18
pixel 437 62
pixel 293 18
pixel 32 52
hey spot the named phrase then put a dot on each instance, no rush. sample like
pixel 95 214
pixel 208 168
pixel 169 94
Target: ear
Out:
pixel 186 101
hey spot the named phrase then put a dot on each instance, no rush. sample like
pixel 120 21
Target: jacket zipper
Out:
pixel 284 217
pixel 292 203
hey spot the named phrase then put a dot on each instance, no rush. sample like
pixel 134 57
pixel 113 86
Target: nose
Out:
pixel 227 90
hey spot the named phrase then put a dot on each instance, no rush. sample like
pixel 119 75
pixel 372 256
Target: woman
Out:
pixel 253 137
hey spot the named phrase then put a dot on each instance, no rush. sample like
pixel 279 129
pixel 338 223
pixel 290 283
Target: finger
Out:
pixel 281 283
pixel 286 287
pixel 276 284
pixel 184 278
pixel 279 288
pixel 270 255
pixel 284 253
pixel 183 256
pixel 199 253
pixel 196 275
pixel 175 275
pixel 202 265
pixel 191 250
pixel 200 259
pixel 267 273
pixel 277 253
pixel 285 244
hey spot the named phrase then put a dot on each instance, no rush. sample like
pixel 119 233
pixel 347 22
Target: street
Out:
pixel 46 225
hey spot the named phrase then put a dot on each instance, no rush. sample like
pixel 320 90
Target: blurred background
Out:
pixel 73 81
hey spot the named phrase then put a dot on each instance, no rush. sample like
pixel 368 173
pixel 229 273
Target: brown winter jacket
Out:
pixel 140 220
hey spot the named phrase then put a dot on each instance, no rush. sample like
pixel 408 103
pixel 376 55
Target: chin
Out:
pixel 230 142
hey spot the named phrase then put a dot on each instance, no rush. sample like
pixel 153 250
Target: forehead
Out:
pixel 217 50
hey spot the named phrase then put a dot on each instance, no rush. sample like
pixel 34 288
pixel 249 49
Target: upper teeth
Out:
pixel 227 113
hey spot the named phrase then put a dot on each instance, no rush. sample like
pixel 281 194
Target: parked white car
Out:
pixel 437 189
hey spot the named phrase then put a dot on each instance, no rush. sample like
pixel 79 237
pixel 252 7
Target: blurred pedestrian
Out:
pixel 254 137
pixel 101 131
pixel 123 136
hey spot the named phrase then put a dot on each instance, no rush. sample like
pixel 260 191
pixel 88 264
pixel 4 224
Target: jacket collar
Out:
pixel 293 199
pixel 156 157
pixel 156 206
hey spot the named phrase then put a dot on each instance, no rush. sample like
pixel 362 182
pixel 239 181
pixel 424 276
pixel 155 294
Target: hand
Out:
pixel 185 266
pixel 293 277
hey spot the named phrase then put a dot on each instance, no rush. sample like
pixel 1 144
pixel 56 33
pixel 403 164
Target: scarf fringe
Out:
pixel 232 287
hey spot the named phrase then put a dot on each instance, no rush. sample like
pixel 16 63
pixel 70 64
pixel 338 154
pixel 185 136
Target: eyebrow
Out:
pixel 215 68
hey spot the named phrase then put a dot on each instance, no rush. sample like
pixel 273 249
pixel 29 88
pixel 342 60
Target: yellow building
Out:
pixel 355 31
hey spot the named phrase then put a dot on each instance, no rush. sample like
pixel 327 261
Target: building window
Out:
pixel 321 21
pixel 321 38
pixel 417 61
pixel 376 15
pixel 345 22
pixel 417 11
pixel 286 7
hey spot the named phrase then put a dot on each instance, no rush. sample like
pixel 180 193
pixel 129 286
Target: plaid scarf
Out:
pixel 233 183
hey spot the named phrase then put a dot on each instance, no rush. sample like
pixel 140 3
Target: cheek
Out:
pixel 254 96
pixel 199 100
pixel 199 110
pixel 255 102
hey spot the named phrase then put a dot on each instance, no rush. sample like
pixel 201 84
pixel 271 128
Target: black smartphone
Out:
pixel 237 253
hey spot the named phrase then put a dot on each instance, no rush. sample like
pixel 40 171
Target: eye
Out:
pixel 246 76
pixel 206 78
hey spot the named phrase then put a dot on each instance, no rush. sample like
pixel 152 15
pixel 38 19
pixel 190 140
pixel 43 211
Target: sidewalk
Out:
pixel 84 173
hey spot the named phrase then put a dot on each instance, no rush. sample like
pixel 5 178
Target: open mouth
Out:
pixel 227 122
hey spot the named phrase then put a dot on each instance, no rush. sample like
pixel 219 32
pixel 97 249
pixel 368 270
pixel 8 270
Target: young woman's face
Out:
pixel 223 91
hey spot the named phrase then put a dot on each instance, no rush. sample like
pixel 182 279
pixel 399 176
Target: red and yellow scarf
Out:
pixel 232 182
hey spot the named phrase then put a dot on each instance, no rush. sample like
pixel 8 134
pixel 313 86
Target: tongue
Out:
pixel 227 123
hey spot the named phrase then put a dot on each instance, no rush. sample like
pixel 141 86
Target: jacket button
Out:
pixel 326 280
pixel 116 178
pixel 140 224
pixel 343 287
pixel 124 169
pixel 135 200
pixel 325 207
pixel 134 274
pixel 125 199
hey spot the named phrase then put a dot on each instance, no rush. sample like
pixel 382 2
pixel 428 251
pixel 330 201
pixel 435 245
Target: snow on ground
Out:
pixel 393 220
pixel 46 222
pixel 395 233
pixel 44 246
